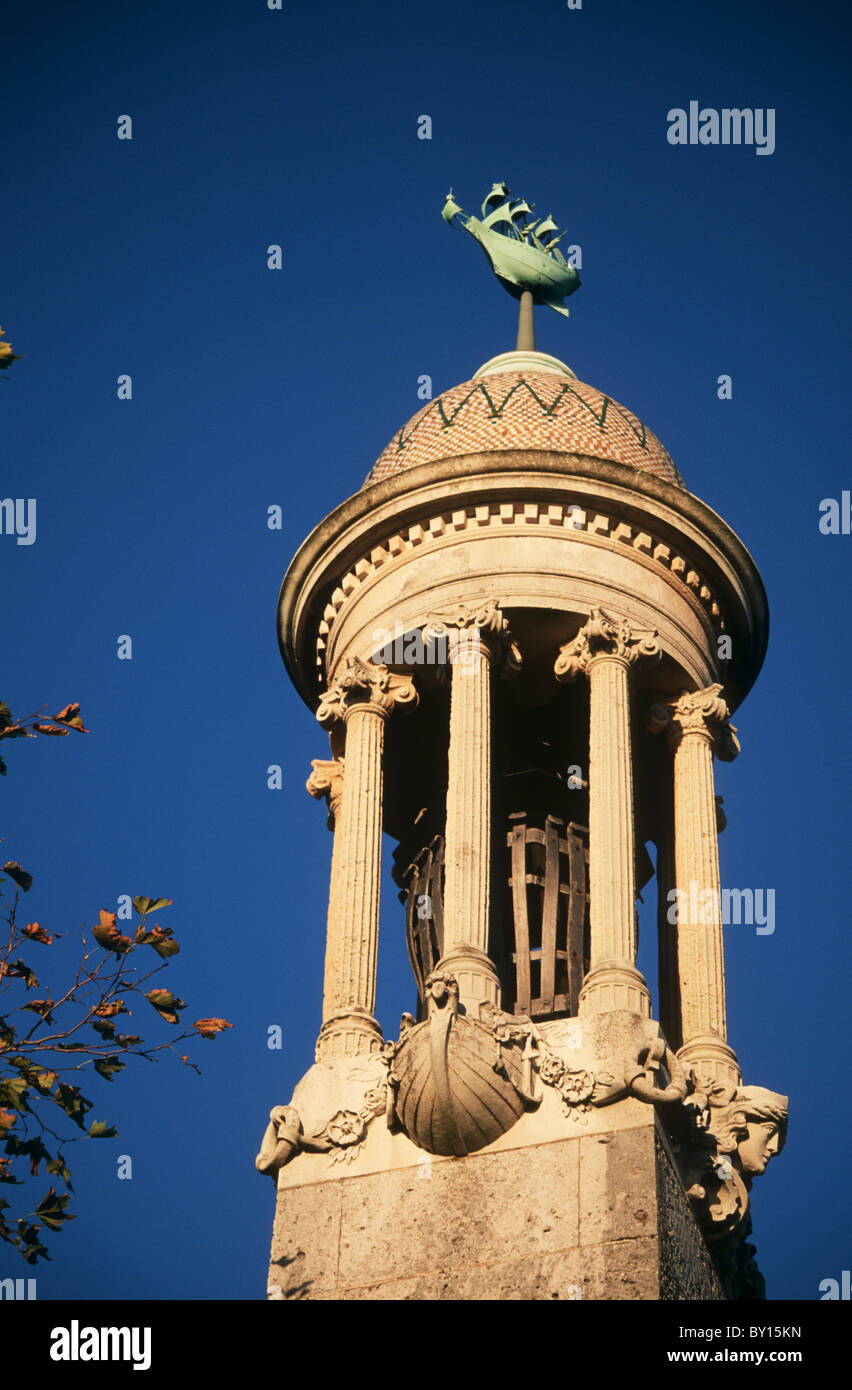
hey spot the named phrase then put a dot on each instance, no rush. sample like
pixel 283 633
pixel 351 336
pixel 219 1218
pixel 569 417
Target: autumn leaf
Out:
pixel 104 1014
pixel 42 1007
pixel 109 1010
pixel 37 933
pixel 21 877
pixel 7 1119
pixel 166 1004
pixel 70 715
pixel 51 730
pixel 20 970
pixel 108 935
pixel 209 1027
pixel 7 356
pixel 99 1130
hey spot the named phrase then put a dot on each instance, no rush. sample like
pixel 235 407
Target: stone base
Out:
pixel 591 1215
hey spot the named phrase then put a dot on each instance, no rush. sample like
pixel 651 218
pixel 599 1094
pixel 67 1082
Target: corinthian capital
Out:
pixel 363 683
pixel 326 780
pixel 604 635
pixel 467 631
pixel 701 712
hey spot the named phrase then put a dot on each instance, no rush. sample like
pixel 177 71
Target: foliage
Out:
pixel 46 1040
pixel 7 356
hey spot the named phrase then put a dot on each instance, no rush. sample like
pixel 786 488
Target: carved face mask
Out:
pixel 762 1143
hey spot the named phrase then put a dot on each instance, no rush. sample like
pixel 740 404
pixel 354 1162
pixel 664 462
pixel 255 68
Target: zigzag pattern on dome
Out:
pixel 529 410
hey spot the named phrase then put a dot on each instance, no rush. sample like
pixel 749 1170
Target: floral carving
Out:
pixel 577 1088
pixel 701 712
pixel 375 1103
pixel 342 1136
pixel 604 635
pixel 364 683
pixel 551 1069
pixel 486 624
pixel 345 1132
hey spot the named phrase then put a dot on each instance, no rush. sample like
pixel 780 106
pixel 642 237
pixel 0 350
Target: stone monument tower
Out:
pixel 525 638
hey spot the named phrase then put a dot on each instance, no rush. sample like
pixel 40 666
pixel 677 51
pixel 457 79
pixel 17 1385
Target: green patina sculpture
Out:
pixel 524 255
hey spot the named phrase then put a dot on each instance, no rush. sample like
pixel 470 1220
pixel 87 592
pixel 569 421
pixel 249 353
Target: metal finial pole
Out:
pixel 526 325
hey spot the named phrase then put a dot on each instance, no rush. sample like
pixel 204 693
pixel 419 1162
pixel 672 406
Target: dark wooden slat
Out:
pixel 576 915
pixel 411 936
pixel 437 891
pixel 424 934
pixel 522 932
pixel 549 912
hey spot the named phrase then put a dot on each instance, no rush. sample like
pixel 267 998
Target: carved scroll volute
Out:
pixel 362 683
pixel 702 713
pixel 605 636
pixel 471 632
pixel 326 780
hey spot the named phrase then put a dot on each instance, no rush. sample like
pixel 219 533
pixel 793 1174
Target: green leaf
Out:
pixel 161 938
pixel 166 1004
pixel 145 905
pixel 21 877
pixel 27 1148
pixel 99 1130
pixel 51 1210
pixel 59 1168
pixel 28 1242
pixel 105 1028
pixel 108 1066
pixel 13 1091
pixel 75 1105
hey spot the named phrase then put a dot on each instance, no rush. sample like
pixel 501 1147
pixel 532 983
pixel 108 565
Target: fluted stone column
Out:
pixel 362 699
pixel 667 969
pixel 605 649
pixel 479 644
pixel 326 781
pixel 697 726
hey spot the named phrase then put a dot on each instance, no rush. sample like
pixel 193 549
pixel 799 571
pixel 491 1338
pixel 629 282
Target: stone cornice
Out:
pixel 613 505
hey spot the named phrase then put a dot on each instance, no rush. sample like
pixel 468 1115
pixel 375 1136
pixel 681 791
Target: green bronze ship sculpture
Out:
pixel 524 255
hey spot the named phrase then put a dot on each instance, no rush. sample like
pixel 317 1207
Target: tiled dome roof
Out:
pixel 535 406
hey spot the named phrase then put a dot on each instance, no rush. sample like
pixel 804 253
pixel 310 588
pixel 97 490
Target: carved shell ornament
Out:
pixel 456 1087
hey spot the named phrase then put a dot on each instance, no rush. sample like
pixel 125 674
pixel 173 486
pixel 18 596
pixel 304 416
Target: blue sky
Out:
pixel 253 387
